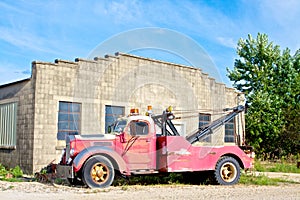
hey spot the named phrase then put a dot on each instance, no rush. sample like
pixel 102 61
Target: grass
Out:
pixel 261 180
pixel 278 166
pixel 282 166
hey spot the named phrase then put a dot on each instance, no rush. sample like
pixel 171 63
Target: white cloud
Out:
pixel 281 21
pixel 283 12
pixel 228 42
pixel 13 8
pixel 23 39
pixel 10 73
pixel 120 12
pixel 23 27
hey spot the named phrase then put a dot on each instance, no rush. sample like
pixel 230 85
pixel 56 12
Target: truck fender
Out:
pixel 243 160
pixel 113 156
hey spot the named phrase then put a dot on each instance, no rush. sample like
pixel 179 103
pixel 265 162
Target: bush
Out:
pixel 16 172
pixel 3 171
pixel 10 174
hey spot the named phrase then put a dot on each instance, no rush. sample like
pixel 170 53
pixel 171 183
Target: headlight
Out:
pixel 72 152
pixel 63 152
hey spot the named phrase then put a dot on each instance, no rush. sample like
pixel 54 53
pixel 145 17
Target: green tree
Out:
pixel 270 80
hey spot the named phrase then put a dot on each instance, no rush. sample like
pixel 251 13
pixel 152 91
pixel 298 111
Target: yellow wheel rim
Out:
pixel 228 172
pixel 99 173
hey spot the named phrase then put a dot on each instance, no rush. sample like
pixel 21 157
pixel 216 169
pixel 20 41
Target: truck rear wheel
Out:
pixel 98 172
pixel 227 171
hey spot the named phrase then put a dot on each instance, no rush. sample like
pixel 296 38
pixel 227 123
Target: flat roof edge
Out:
pixel 15 82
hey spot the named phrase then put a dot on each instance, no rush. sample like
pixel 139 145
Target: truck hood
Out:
pixel 96 137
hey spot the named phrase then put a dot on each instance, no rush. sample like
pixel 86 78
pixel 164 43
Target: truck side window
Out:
pixel 139 128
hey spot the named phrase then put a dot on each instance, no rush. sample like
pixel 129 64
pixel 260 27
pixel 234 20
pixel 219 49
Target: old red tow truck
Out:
pixel 134 147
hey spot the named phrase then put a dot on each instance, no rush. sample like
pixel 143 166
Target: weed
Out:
pixel 11 175
pixel 16 172
pixel 261 180
pixel 3 171
pixel 276 166
pixel 59 181
pixel 124 187
pixel 284 167
pixel 11 187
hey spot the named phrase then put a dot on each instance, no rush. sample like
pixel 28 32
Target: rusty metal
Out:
pixel 47 174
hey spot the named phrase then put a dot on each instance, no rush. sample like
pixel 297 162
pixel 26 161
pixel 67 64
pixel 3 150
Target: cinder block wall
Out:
pixel 23 93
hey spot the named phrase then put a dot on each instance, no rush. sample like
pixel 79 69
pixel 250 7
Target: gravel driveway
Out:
pixel 35 190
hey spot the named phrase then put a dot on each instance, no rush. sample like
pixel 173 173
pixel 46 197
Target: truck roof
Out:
pixel 144 118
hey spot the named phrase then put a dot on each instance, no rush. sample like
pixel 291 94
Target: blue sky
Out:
pixel 46 30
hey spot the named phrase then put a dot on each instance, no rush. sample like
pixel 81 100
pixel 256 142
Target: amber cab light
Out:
pixel 134 111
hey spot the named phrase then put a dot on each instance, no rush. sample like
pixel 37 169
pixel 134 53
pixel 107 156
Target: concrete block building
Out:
pixel 86 96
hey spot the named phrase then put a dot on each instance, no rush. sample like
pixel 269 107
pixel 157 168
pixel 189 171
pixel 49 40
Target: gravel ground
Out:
pixel 35 190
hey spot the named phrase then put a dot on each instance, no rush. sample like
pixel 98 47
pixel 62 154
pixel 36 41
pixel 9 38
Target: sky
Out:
pixel 173 31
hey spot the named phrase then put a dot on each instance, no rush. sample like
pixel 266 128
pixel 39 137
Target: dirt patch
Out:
pixel 35 190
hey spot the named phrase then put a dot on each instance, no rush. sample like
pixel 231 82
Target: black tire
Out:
pixel 75 181
pixel 98 172
pixel 196 178
pixel 227 171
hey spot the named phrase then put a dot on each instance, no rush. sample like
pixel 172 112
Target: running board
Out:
pixel 144 171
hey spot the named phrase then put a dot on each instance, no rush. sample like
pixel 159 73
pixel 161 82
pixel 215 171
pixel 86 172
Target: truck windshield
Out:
pixel 119 126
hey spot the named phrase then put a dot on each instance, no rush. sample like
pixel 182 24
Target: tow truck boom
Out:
pixel 208 129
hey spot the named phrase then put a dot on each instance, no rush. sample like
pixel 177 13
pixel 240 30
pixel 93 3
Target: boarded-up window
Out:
pixel 204 119
pixel 229 131
pixel 8 125
pixel 69 118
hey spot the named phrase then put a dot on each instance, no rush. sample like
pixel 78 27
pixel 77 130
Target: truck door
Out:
pixel 139 146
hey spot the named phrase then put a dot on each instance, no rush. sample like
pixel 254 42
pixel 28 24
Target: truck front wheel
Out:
pixel 227 171
pixel 98 172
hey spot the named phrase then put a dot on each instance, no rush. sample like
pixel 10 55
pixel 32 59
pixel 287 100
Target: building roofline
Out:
pixel 57 61
pixel 15 82
pixel 155 60
pixel 117 55
pixel 42 62
pixel 165 62
pixel 85 60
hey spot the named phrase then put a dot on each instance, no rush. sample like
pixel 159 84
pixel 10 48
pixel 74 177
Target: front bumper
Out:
pixel 64 171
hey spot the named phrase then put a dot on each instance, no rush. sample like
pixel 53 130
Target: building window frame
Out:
pixel 112 113
pixel 8 125
pixel 229 136
pixel 69 119
pixel 204 119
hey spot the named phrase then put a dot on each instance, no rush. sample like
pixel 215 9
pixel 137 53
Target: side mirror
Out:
pixel 122 138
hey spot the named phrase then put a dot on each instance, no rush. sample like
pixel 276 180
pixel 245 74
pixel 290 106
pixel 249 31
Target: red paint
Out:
pixel 136 151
